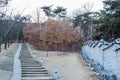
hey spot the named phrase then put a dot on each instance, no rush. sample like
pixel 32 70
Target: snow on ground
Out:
pixel 6 61
pixel 5 75
pixel 70 65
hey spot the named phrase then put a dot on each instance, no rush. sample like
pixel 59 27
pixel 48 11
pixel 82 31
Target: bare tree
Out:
pixel 83 18
pixel 3 20
pixel 37 16
pixel 87 7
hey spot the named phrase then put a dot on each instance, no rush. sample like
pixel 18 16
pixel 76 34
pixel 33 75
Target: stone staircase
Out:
pixel 30 68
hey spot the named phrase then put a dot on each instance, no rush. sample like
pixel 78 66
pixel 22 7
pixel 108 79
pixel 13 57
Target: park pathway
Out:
pixel 30 68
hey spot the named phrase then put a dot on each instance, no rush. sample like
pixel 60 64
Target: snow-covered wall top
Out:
pixel 104 53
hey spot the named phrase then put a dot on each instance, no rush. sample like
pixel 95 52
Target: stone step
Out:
pixel 35 75
pixel 30 64
pixel 25 54
pixel 25 57
pixel 38 78
pixel 28 60
pixel 32 67
pixel 25 51
pixel 35 72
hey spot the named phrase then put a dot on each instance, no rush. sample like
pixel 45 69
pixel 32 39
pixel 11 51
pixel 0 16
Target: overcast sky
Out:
pixel 29 6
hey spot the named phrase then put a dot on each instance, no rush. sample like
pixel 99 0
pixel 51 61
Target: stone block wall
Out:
pixel 103 56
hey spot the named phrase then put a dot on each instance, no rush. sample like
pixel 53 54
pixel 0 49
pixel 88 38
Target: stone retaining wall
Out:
pixel 104 57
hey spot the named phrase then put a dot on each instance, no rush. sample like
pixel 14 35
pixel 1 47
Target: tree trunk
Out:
pixel 8 45
pixel 47 53
pixel 0 47
pixel 5 45
pixel 47 50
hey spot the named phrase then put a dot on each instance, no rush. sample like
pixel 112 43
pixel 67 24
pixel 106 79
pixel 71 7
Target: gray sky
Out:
pixel 31 5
